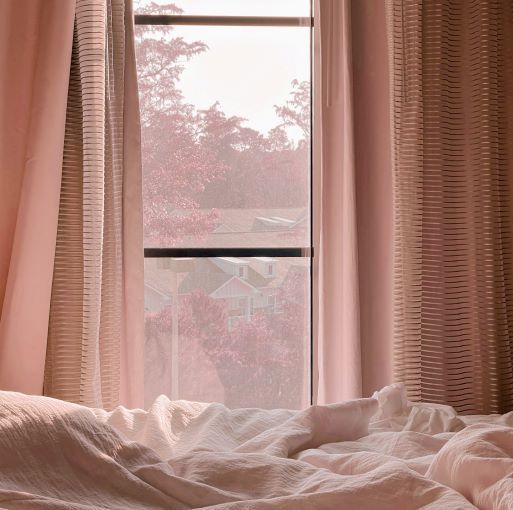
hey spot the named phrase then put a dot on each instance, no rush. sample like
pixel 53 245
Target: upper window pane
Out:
pixel 227 7
pixel 226 135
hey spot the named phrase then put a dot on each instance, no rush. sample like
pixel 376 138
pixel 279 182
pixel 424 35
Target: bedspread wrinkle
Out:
pixel 377 453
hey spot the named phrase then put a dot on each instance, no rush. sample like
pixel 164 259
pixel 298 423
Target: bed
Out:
pixel 377 453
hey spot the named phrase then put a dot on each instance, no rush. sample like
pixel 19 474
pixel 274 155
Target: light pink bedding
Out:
pixel 379 453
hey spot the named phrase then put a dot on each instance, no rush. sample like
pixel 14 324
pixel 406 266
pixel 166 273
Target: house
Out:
pixel 252 228
pixel 247 285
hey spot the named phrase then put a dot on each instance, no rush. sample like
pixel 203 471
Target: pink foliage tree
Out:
pixel 177 165
pixel 264 355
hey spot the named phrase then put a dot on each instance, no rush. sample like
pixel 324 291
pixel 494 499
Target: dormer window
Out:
pixel 232 265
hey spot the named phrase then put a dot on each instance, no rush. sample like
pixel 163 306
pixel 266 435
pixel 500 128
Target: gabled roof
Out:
pixel 240 281
pixel 241 228
pixel 208 282
pixel 210 277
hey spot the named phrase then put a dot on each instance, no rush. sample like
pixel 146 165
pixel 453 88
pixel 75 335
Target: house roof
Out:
pixel 209 282
pixel 251 228
pixel 209 276
pixel 155 278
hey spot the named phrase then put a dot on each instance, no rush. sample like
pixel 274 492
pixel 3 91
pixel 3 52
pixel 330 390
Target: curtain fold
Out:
pixel 352 201
pixel 95 335
pixel 35 52
pixel 452 75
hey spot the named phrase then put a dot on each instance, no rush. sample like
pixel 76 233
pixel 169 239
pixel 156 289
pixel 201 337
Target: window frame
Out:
pixel 234 21
pixel 273 252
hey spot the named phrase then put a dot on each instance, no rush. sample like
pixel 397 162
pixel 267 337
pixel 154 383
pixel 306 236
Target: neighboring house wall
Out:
pixel 154 300
pixel 256 292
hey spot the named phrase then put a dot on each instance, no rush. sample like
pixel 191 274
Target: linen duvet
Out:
pixel 377 453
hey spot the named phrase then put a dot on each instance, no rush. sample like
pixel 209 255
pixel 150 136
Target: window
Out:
pixel 243 304
pixel 225 111
pixel 271 301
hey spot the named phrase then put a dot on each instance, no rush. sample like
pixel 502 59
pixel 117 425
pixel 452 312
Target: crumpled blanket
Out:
pixel 377 453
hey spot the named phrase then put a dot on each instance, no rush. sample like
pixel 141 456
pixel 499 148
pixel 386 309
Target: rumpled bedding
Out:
pixel 377 453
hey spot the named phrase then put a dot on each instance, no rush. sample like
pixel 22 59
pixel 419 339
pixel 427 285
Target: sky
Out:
pixel 247 69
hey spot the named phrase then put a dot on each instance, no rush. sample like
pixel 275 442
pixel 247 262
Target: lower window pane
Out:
pixel 231 330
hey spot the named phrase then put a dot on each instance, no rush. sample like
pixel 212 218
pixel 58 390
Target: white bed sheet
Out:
pixel 379 453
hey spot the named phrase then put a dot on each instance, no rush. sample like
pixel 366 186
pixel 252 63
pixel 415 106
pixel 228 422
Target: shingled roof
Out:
pixel 252 228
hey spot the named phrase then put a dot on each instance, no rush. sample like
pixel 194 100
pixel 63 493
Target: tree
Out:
pixel 196 161
pixel 201 324
pixel 296 111
pixel 259 363
pixel 263 172
pixel 176 164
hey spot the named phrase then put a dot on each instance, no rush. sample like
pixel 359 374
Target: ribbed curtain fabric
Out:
pixel 452 101
pixel 95 337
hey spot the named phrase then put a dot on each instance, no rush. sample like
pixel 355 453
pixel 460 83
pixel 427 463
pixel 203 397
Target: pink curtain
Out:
pixel 35 53
pixel 71 258
pixel 132 332
pixel 353 201
pixel 96 332
pixel 452 64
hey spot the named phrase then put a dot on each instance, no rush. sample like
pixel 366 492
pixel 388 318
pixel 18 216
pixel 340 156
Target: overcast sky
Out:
pixel 247 69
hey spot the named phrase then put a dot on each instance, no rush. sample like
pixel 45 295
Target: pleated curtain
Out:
pixel 452 117
pixel 95 336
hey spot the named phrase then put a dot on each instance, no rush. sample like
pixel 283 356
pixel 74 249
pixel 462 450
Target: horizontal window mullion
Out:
pixel 226 252
pixel 238 21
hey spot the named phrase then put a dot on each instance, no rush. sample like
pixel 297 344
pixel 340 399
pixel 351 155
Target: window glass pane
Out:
pixel 227 7
pixel 226 135
pixel 216 333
